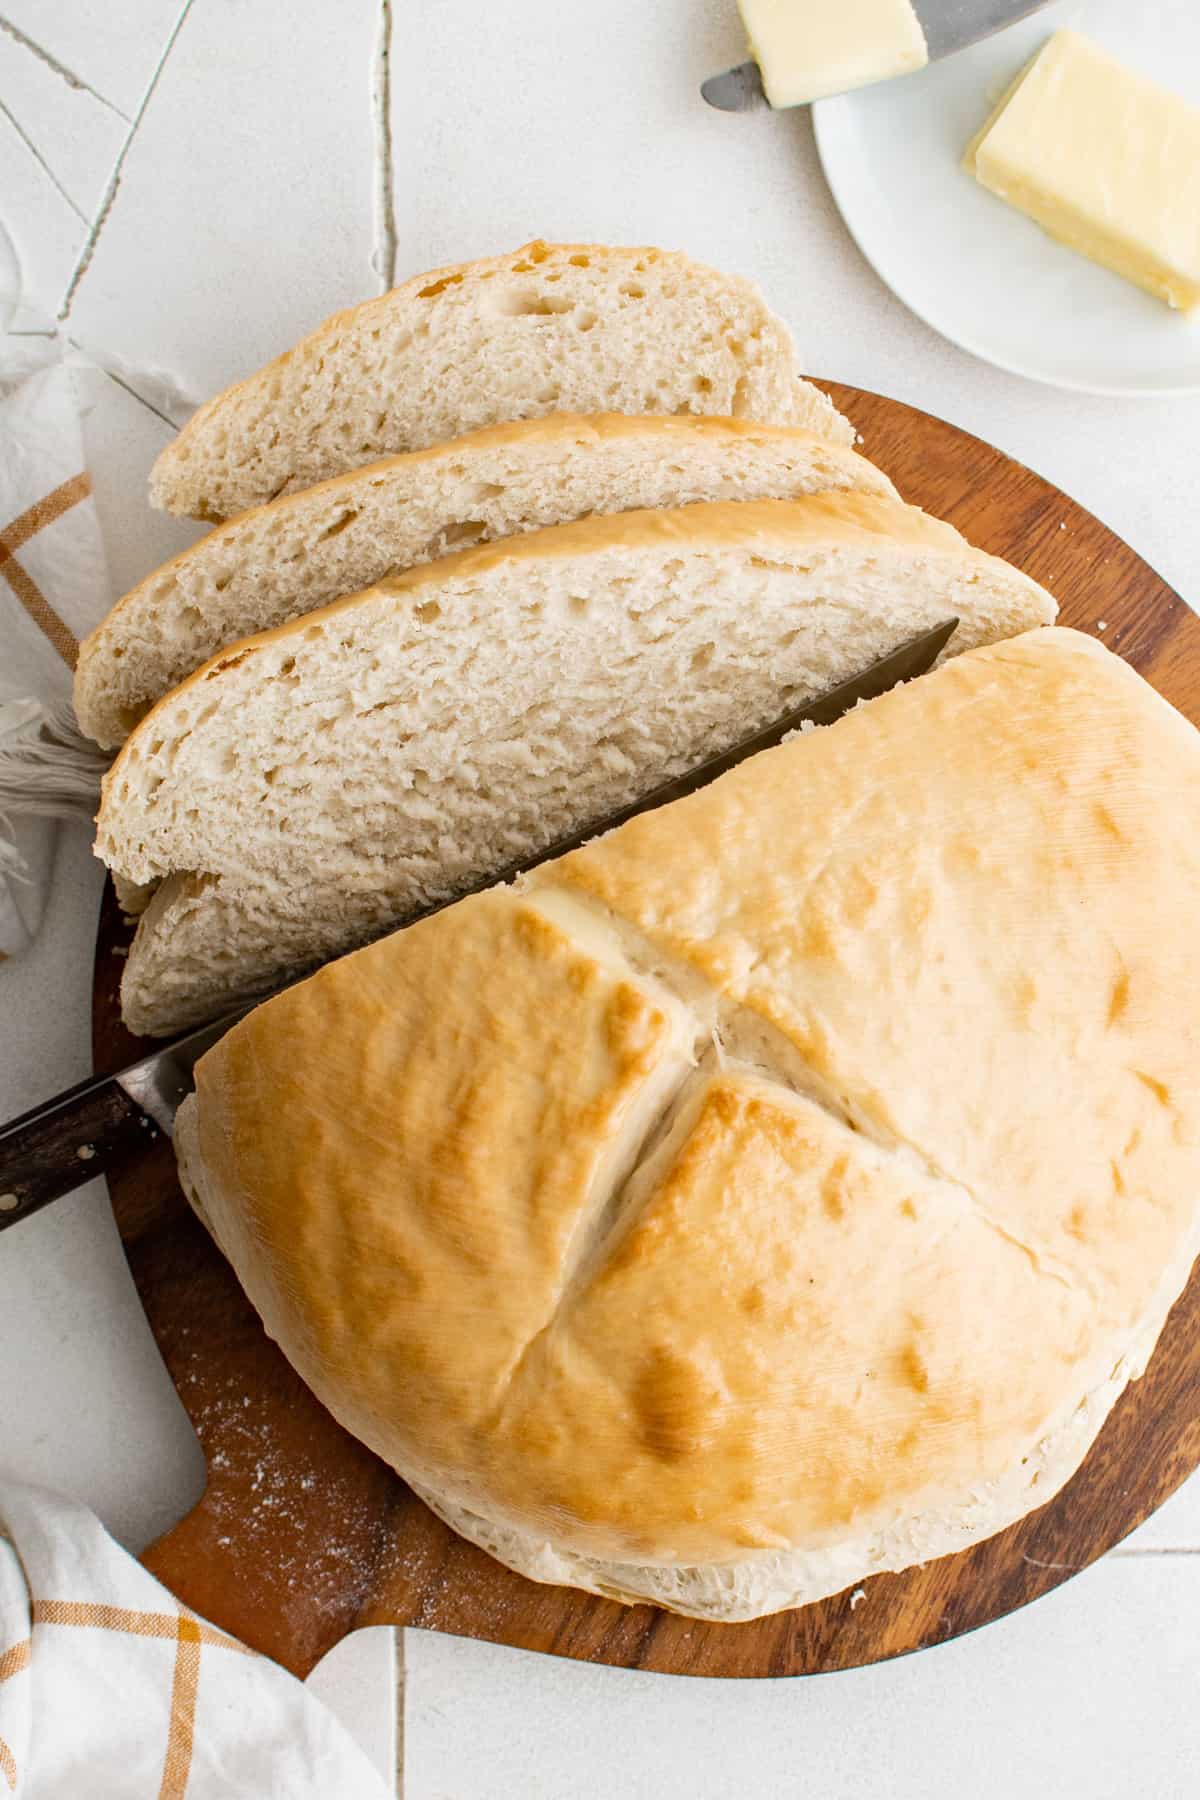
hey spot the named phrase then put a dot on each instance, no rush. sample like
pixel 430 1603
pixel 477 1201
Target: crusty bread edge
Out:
pixel 776 1581
pixel 548 427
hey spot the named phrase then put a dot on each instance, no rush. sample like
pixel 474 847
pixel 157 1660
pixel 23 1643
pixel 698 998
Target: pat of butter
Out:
pixel 807 48
pixel 1104 160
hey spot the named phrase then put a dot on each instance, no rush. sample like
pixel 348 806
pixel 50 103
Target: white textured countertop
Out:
pixel 188 189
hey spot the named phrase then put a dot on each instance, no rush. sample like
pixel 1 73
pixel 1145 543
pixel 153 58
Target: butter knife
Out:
pixel 949 25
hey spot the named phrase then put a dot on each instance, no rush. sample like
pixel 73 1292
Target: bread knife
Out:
pixel 66 1141
pixel 949 25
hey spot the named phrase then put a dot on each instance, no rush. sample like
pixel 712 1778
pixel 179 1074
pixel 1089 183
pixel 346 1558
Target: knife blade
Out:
pixel 57 1146
pixel 949 25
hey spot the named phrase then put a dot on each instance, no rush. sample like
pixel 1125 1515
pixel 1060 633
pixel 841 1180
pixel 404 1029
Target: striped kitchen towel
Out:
pixel 53 589
pixel 109 1687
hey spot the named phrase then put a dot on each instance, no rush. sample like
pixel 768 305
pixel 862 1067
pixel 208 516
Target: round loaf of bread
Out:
pixel 776 1191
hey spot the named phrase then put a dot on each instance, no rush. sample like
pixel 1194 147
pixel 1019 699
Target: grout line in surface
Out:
pixel 114 180
pixel 60 68
pixel 383 255
pixel 41 161
pixel 398 1725
pixel 1152 1550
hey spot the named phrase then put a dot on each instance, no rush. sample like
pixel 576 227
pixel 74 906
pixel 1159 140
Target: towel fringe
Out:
pixel 48 769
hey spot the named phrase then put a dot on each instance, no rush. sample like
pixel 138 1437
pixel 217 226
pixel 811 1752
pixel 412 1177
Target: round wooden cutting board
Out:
pixel 302 1535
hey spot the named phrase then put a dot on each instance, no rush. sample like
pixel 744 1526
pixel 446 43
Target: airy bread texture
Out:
pixel 576 328
pixel 299 553
pixel 780 1189
pixel 312 786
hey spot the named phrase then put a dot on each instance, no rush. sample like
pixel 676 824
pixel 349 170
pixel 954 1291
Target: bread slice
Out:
pixel 275 562
pixel 778 1191
pixel 549 328
pixel 313 785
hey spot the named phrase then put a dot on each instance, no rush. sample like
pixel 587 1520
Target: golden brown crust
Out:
pixel 446 1110
pixel 917 1202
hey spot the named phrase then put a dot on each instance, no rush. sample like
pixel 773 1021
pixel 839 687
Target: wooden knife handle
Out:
pixel 64 1142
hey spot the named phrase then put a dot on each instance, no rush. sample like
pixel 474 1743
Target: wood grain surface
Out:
pixel 302 1535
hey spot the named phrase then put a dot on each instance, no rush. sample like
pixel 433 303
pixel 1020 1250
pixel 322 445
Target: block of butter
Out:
pixel 807 48
pixel 1105 160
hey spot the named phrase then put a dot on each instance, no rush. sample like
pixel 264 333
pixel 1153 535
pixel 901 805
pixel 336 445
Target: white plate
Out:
pixel 978 272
